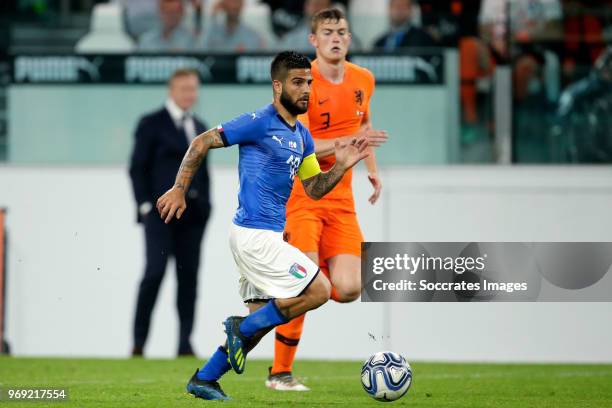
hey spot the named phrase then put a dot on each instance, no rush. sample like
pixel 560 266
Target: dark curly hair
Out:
pixel 285 61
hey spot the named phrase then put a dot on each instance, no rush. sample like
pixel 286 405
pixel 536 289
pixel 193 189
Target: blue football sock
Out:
pixel 215 367
pixel 263 318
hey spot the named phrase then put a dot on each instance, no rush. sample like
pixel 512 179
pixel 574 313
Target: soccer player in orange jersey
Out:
pixel 327 230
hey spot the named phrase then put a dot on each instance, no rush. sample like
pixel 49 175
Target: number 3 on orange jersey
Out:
pixel 327 120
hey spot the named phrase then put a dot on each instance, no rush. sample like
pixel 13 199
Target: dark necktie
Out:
pixel 183 127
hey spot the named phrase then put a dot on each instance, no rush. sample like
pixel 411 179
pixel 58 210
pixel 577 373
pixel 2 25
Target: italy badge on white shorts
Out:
pixel 269 267
pixel 298 271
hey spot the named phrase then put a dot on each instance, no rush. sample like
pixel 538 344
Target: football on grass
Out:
pixel 386 376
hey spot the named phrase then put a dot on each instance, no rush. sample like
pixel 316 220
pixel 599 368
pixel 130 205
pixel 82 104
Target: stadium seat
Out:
pixel 106 33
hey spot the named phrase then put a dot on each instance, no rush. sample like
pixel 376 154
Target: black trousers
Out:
pixel 181 239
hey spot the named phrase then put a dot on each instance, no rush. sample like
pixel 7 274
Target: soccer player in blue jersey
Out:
pixel 278 282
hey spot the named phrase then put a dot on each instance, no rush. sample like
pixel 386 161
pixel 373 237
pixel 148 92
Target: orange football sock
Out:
pixel 285 345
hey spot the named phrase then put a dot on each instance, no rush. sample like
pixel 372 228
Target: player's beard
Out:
pixel 292 107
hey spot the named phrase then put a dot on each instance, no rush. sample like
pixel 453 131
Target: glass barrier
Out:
pixel 561 61
pixel 84 108
pixel 562 112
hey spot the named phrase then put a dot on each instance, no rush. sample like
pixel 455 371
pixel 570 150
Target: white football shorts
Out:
pixel 269 267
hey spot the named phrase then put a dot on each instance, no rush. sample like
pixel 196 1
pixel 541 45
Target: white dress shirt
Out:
pixel 181 118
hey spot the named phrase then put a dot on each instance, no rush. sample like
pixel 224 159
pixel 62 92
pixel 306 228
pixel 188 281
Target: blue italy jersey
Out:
pixel 271 152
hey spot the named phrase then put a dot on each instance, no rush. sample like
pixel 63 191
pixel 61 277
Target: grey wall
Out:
pixel 76 255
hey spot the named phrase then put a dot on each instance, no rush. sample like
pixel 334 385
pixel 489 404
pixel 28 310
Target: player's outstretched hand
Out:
pixel 375 137
pixel 171 203
pixel 349 154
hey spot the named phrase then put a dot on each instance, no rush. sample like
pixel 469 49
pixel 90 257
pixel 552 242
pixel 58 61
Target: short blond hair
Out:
pixel 332 14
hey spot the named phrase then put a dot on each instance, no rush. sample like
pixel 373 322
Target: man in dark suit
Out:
pixel 162 138
pixel 402 33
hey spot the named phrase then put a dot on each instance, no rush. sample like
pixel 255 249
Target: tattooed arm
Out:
pixel 347 155
pixel 211 139
pixel 173 201
pixel 317 186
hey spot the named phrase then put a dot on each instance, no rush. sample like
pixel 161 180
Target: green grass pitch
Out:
pixel 161 383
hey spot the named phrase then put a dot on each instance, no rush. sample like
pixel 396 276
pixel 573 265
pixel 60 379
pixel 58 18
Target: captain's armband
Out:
pixel 309 167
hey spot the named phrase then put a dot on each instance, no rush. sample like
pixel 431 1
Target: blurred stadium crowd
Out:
pixel 561 75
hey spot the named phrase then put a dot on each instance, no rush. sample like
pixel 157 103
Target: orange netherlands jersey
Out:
pixel 335 110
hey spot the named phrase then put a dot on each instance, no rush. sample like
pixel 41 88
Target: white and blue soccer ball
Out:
pixel 386 376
